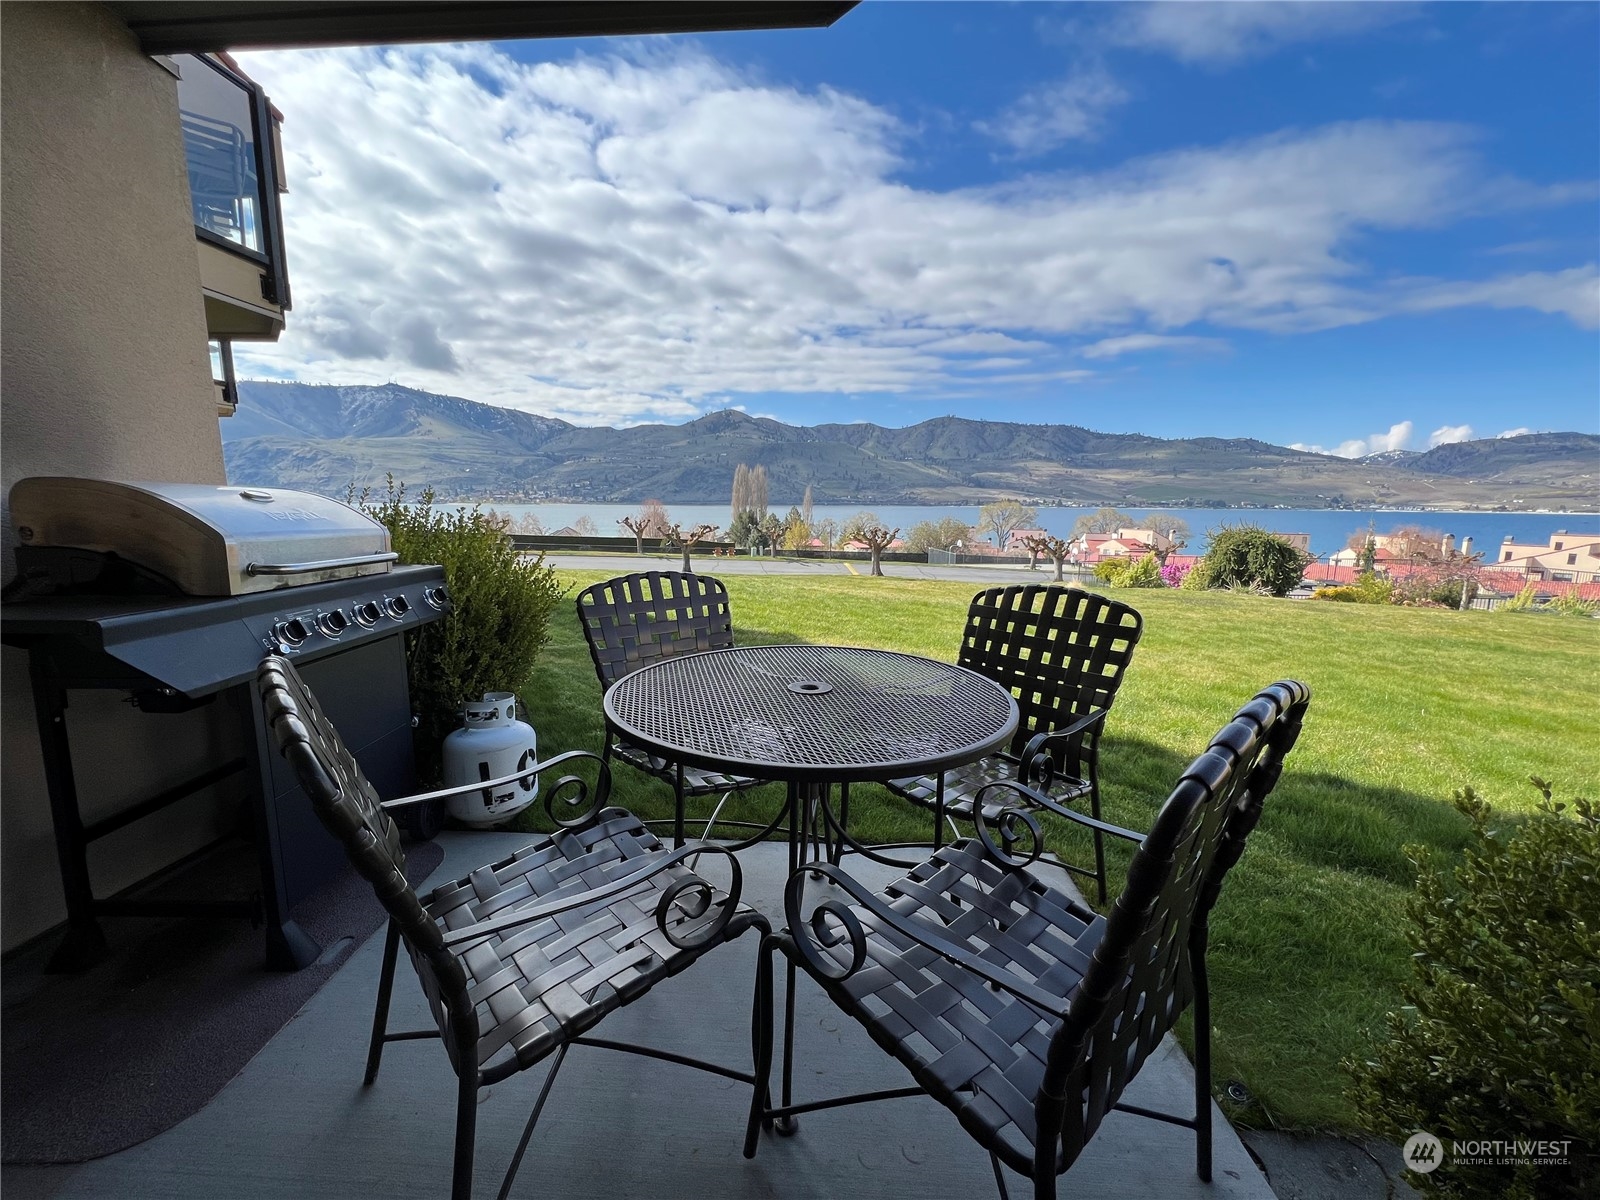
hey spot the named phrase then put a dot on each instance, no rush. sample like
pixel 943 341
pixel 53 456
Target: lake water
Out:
pixel 1330 530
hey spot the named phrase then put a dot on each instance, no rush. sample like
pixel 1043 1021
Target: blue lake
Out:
pixel 1329 529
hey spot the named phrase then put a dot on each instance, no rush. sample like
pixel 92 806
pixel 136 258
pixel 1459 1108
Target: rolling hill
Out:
pixel 326 438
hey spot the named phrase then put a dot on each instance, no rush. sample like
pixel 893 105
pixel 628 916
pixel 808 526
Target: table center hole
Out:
pixel 810 687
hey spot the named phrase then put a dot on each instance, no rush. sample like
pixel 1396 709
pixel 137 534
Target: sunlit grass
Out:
pixel 1409 705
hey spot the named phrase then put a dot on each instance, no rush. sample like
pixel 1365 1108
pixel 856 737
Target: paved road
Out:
pixel 624 563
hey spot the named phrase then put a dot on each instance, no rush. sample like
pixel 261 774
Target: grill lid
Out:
pixel 209 540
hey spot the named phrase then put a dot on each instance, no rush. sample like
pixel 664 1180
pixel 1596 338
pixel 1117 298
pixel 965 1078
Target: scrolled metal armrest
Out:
pixel 601 793
pixel 802 929
pixel 1036 766
pixel 704 895
pixel 1038 799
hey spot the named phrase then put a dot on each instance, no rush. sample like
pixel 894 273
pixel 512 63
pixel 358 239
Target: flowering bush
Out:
pixel 1172 573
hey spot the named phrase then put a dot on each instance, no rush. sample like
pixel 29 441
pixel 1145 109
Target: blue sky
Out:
pixel 1348 227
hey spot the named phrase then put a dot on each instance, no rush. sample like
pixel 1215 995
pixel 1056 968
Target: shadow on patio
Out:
pixel 296 1121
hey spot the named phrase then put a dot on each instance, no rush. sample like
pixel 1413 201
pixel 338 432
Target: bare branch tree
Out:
pixel 686 539
pixel 877 540
pixel 635 525
pixel 1055 549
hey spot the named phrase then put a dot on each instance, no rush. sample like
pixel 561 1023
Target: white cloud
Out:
pixel 1573 293
pixel 1070 109
pixel 1398 438
pixel 1519 431
pixel 1446 434
pixel 617 239
pixel 1134 342
pixel 1220 34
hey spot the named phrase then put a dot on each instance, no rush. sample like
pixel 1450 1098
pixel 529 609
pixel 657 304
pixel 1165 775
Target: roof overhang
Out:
pixel 182 26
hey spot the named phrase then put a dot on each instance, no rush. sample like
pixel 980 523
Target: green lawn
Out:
pixel 1307 942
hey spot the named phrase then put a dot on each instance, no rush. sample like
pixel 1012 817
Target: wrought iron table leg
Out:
pixel 808 842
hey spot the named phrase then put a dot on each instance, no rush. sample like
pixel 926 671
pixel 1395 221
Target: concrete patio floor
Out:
pixel 297 1123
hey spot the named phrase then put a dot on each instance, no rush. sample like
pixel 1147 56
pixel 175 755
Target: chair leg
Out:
pixel 761 1048
pixel 466 1133
pixel 380 1016
pixel 999 1178
pixel 1099 841
pixel 1202 1062
pixel 677 810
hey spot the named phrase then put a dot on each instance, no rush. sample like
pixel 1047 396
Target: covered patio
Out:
pixel 297 1122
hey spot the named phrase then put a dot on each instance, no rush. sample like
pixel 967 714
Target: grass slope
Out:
pixel 1308 945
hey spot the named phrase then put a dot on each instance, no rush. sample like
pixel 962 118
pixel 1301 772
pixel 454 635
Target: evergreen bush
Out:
pixel 501 604
pixel 1248 557
pixel 1500 1035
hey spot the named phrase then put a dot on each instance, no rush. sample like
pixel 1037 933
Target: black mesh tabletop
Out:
pixel 822 714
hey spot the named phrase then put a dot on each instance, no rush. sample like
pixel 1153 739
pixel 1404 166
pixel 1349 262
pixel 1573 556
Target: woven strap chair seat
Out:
pixel 696 781
pixel 542 984
pixel 979 1050
pixel 962 784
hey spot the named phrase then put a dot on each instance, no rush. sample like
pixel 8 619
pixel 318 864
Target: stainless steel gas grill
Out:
pixel 172 593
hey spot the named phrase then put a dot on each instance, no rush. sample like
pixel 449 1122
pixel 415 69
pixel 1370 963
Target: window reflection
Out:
pixel 219 143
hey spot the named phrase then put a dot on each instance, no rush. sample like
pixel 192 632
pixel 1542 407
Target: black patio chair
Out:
pixel 635 620
pixel 1061 652
pixel 1011 1003
pixel 523 956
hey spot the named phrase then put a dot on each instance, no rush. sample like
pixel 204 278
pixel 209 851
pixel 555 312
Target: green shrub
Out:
pixel 500 612
pixel 1368 589
pixel 1111 570
pixel 1522 601
pixel 1146 573
pixel 1570 604
pixel 1249 557
pixel 1500 1036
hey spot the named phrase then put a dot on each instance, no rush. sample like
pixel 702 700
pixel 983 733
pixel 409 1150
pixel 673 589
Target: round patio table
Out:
pixel 811 716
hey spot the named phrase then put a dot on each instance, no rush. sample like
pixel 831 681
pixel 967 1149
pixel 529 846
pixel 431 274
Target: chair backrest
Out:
pixel 1139 978
pixel 634 620
pixel 349 808
pixel 1061 651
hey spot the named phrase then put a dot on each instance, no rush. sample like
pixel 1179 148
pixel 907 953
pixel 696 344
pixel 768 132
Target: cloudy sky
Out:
pixel 1354 227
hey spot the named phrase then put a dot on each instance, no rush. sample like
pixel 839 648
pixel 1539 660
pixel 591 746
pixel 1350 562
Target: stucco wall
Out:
pixel 103 372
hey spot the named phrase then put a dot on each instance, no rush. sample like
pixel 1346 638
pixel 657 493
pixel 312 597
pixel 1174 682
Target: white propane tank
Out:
pixel 490 743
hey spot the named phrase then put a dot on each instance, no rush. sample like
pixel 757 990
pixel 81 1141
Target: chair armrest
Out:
pixel 602 788
pixel 810 934
pixel 1036 764
pixel 560 903
pixel 1039 800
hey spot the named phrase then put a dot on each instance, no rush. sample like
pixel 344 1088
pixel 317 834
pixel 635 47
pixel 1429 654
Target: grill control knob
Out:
pixel 396 606
pixel 293 631
pixel 367 613
pixel 437 597
pixel 333 622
